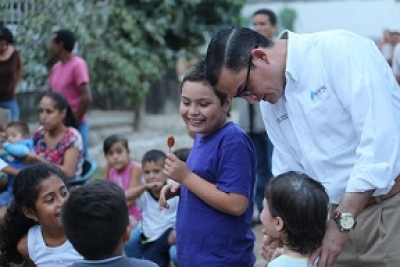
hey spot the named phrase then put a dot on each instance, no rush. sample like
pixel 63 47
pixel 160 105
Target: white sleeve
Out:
pixel 365 85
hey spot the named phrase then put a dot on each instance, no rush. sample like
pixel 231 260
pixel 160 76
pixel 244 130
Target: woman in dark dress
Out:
pixel 10 73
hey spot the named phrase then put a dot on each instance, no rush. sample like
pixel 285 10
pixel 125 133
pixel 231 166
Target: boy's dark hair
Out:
pixel 182 153
pixel 95 217
pixel 267 12
pixel 197 74
pixel 22 127
pixel 6 35
pixel 62 104
pixel 303 205
pixel 27 186
pixel 230 48
pixel 112 139
pixel 153 155
pixel 67 37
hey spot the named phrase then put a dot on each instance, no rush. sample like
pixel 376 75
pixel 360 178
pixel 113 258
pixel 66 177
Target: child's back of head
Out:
pixel 301 204
pixel 182 153
pixel 95 220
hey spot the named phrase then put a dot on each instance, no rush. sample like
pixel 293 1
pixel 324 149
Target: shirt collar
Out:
pixel 102 261
pixel 292 60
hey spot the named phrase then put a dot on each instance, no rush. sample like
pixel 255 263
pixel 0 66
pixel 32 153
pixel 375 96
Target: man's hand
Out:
pixel 332 245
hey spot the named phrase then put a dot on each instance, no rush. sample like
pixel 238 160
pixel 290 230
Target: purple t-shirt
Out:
pixel 206 236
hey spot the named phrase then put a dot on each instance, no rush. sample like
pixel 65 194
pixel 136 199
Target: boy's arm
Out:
pixel 136 191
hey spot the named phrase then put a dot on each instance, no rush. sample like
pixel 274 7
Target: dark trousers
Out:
pixel 264 149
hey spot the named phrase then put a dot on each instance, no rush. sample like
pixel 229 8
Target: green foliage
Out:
pixel 127 44
pixel 287 17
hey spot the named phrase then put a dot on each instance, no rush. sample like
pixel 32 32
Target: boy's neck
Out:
pixel 117 253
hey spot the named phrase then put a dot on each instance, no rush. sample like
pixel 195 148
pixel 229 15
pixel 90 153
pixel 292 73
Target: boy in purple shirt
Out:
pixel 216 186
pixel 70 77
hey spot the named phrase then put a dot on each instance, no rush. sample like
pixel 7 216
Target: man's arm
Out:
pixel 81 77
pixel 335 240
pixel 86 99
pixel 367 91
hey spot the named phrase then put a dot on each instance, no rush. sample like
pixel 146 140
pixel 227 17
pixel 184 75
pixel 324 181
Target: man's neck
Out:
pixel 65 57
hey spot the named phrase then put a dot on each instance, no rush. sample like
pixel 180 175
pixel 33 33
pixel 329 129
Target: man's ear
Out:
pixel 29 213
pixel 260 53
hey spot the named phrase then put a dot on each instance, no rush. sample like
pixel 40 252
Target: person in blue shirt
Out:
pixel 17 145
pixel 215 185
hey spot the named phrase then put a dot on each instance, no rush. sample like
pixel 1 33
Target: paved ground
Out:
pixel 153 134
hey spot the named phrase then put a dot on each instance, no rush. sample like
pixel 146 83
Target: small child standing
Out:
pixel 123 171
pixel 296 210
pixel 91 211
pixel 157 232
pixel 32 230
pixel 217 183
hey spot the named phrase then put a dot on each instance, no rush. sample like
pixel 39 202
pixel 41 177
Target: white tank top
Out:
pixel 44 256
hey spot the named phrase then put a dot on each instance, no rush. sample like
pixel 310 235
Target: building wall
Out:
pixel 365 17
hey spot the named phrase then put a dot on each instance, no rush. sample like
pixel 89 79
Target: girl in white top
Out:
pixel 32 230
pixel 295 212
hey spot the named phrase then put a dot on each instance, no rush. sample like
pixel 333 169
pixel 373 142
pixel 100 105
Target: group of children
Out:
pixel 203 203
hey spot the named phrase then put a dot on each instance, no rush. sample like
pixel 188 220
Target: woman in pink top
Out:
pixel 123 171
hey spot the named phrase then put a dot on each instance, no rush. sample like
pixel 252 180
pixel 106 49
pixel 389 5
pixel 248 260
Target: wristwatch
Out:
pixel 344 220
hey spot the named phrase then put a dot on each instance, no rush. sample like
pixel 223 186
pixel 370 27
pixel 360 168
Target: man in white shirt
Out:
pixel 332 109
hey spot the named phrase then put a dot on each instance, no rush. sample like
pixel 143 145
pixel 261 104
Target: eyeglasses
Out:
pixel 245 89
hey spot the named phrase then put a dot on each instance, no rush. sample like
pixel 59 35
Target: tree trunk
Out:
pixel 137 114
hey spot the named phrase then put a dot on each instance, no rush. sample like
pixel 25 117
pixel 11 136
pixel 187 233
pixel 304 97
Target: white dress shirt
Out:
pixel 338 120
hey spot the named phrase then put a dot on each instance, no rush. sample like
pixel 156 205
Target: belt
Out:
pixel 379 199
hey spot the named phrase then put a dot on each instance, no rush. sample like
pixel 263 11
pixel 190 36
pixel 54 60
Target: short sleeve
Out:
pixel 81 73
pixel 236 168
pixel 74 140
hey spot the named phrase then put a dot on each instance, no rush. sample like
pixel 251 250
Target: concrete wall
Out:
pixel 365 17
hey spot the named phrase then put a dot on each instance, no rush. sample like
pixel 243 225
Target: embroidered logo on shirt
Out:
pixel 318 93
pixel 282 118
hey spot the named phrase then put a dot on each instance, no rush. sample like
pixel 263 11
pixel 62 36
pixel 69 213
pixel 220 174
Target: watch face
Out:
pixel 347 221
